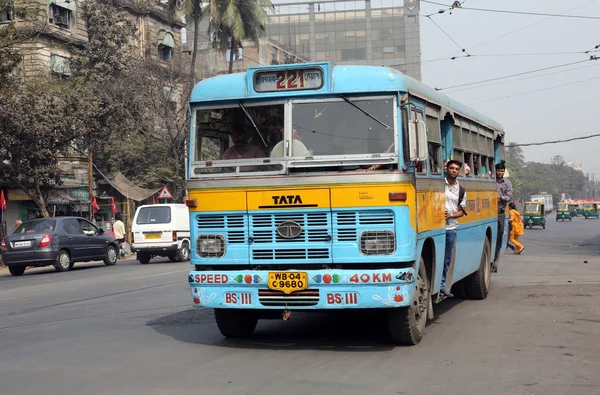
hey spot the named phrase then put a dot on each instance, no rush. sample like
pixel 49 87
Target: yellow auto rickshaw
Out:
pixel 590 210
pixel 562 212
pixel 534 215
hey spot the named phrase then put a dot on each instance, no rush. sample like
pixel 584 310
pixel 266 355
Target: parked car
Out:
pixel 58 241
pixel 161 230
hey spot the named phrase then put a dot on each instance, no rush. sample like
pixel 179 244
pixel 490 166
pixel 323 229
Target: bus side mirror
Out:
pixel 417 140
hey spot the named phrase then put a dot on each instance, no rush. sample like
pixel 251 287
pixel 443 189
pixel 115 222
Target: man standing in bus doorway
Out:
pixel 455 208
pixel 505 191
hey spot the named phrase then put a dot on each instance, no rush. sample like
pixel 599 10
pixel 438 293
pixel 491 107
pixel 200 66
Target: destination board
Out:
pixel 288 80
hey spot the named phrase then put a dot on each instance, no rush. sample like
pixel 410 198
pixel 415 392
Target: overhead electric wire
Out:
pixel 555 141
pixel 529 54
pixel 528 26
pixel 535 91
pixel 509 11
pixel 515 75
pixel 522 79
pixel 446 57
pixel 447 35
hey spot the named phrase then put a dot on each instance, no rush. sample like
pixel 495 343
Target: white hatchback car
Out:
pixel 161 230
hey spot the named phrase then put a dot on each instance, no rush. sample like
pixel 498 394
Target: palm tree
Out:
pixel 232 21
pixel 192 9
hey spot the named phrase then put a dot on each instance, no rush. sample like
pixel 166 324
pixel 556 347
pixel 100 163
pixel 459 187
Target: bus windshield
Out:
pixel 250 137
pixel 338 128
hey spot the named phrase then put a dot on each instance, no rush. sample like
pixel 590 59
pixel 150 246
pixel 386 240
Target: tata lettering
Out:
pixel 290 199
pixel 286 80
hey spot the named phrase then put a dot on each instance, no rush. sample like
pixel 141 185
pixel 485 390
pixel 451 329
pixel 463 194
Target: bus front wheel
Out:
pixel 236 322
pixel 407 324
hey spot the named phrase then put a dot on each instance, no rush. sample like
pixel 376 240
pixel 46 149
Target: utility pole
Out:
pixel 91 181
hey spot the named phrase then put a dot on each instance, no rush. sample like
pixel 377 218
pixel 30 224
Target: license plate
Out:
pixel 21 244
pixel 153 236
pixel 288 282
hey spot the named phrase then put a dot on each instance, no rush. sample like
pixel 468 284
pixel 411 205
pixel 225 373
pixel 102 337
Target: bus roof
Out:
pixel 340 79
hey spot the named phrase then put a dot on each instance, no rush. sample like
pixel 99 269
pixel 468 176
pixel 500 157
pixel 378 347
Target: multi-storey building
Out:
pixel 368 32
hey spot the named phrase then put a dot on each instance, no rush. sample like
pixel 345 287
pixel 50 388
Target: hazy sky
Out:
pixel 569 111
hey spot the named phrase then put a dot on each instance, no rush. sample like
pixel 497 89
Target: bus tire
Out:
pixel 478 283
pixel 236 322
pixel 407 324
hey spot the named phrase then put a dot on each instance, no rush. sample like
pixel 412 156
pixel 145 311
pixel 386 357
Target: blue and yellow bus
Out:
pixel 314 186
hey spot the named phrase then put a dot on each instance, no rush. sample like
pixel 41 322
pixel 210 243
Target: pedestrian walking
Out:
pixel 119 230
pixel 517 227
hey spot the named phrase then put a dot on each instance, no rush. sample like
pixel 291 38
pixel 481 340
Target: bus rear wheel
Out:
pixel 478 284
pixel 407 324
pixel 236 322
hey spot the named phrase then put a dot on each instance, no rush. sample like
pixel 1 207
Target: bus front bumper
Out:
pixel 326 289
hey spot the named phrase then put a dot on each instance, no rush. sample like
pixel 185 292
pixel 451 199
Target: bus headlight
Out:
pixel 210 246
pixel 378 242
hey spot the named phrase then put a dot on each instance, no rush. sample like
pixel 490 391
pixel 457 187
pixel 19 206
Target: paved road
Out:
pixel 129 329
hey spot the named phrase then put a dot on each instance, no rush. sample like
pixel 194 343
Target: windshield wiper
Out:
pixel 253 123
pixel 366 113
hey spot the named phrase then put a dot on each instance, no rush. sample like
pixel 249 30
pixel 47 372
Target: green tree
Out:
pixel 38 127
pixel 233 21
pixel 194 10
pixel 136 119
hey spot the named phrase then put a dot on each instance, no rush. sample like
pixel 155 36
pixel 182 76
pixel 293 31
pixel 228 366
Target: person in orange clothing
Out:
pixel 517 227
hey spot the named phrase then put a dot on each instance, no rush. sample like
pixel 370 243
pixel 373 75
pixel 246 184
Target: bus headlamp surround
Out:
pixel 377 242
pixel 210 246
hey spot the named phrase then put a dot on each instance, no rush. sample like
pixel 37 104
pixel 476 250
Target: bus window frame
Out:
pixel 288 161
pixel 195 164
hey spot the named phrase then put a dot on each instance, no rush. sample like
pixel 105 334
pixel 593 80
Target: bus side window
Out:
pixel 434 144
pixel 468 164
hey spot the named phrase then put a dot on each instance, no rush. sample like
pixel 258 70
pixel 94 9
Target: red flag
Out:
pixel 95 205
pixel 114 207
pixel 2 201
pixel 153 200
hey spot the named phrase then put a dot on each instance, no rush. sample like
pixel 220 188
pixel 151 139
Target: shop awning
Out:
pixel 127 188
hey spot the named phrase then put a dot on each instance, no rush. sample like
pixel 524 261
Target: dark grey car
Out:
pixel 58 241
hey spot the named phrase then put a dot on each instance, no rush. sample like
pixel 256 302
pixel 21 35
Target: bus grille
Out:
pixel 349 222
pixel 299 253
pixel 308 297
pixel 315 227
pixel 232 226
